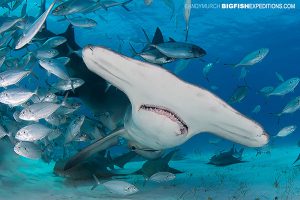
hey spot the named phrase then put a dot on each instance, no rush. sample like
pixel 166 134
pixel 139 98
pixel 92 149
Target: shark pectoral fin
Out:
pixel 97 146
pixel 122 160
pixel 174 171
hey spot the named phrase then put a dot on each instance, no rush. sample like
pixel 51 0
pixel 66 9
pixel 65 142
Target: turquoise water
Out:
pixel 227 35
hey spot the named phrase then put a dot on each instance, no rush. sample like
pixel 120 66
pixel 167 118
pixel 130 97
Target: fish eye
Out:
pixel 133 148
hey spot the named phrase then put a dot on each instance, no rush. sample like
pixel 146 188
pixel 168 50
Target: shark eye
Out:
pixel 133 148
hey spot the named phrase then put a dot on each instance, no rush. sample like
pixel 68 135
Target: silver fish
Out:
pixel 286 131
pixel 238 95
pixel 65 85
pixel 54 67
pixel 256 109
pixel 291 107
pixel 68 109
pixel 54 134
pixel 206 69
pixel 73 128
pixel 29 33
pixel 72 6
pixel 253 58
pixel 56 120
pixel 28 150
pixel 44 96
pixel 45 53
pixel 161 177
pixel 82 22
pixel 54 42
pixel 11 77
pixel 8 22
pixel 266 90
pixel 33 132
pixel 285 87
pixel 16 96
pixel 38 111
pixel 120 187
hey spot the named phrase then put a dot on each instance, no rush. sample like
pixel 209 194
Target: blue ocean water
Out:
pixel 227 35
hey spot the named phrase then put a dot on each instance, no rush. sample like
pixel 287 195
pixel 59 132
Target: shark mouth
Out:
pixel 169 114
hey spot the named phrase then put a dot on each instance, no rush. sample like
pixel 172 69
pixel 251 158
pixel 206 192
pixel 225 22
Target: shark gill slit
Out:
pixel 167 113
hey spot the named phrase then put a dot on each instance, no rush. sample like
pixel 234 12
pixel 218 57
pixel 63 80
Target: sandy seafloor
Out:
pixel 23 179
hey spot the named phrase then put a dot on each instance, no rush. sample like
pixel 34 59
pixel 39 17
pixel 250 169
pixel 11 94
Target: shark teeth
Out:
pixel 168 113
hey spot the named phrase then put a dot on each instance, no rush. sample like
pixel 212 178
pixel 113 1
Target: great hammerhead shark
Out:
pixel 165 111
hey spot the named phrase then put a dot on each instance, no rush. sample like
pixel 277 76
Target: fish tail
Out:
pixel 207 79
pixel 187 33
pixel 146 36
pixel 125 3
pixel 133 51
pixel 65 99
pixel 232 65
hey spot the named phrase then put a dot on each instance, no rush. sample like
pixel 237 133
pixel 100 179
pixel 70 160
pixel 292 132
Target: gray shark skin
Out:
pixel 97 165
pixel 165 111
pixel 180 50
pixel 151 167
pixel 227 158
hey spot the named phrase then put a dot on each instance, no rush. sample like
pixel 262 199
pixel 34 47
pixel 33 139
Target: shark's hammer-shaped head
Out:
pixel 167 111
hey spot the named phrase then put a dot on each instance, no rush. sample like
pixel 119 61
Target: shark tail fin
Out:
pixel 125 3
pixel 298 158
pixel 97 182
pixel 97 146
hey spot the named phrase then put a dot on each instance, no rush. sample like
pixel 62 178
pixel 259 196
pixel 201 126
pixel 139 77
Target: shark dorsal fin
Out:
pixel 158 37
pixel 171 39
pixel 70 35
